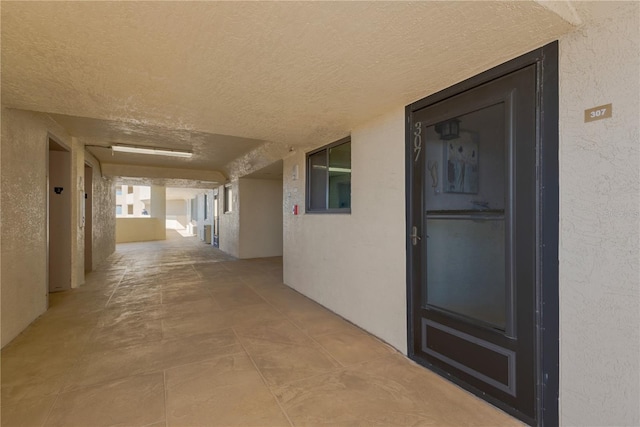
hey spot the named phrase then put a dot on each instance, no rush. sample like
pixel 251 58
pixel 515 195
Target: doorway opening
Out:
pixel 482 235
pixel 59 216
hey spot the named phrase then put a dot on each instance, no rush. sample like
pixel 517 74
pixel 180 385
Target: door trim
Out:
pixel 547 301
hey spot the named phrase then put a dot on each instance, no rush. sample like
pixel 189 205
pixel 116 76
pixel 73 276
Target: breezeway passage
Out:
pixel 177 333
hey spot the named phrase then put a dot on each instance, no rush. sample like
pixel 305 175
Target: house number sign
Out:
pixel 597 113
pixel 417 140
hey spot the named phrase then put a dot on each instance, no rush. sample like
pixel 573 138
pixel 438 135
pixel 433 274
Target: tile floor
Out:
pixel 176 333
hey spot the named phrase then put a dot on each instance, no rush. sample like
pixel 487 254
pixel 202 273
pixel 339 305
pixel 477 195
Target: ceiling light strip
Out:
pixel 152 151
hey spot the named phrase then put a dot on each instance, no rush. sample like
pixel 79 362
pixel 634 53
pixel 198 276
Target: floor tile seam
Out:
pixel 94 330
pixel 50 411
pixel 208 359
pixel 174 264
pixel 289 344
pixel 366 333
pixel 333 332
pixel 164 395
pixel 211 295
pixel 102 383
pixel 196 271
pixel 340 366
pixel 355 365
pixel 264 380
pixel 335 370
pixel 122 347
pixel 338 370
pixel 64 377
pixel 292 321
pixel 118 305
pixel 192 285
pixel 208 332
pixel 222 387
pixel 124 273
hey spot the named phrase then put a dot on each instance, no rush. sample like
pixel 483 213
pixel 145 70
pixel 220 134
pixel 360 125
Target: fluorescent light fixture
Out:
pixel 150 150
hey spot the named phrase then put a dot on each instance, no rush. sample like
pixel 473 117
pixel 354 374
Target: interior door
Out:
pixel 474 229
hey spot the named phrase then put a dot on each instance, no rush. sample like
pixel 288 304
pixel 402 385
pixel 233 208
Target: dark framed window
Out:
pixel 206 206
pixel 328 187
pixel 228 198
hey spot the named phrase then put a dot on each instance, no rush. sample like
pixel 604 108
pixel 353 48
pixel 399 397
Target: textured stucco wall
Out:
pixel 77 198
pixel 24 216
pixel 355 264
pixel 103 215
pixel 260 218
pixel 600 220
pixel 230 223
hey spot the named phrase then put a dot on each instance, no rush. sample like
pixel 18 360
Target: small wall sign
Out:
pixel 598 113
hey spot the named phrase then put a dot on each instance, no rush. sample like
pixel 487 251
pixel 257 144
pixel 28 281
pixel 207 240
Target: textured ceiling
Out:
pixel 173 193
pixel 210 151
pixel 273 171
pixel 295 73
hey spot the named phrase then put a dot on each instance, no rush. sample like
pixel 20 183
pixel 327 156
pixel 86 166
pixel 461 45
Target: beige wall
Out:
pixel 600 220
pixel 355 264
pixel 139 229
pixel 103 214
pixel 177 213
pixel 24 214
pixel 230 224
pixel 145 229
pixel 260 218
pixel 77 199
pixel 159 209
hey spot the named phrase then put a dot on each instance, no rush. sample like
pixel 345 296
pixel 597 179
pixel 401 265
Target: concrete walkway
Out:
pixel 176 333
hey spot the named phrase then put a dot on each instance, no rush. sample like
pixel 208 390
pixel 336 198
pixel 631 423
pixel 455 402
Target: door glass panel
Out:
pixel 465 268
pixel 465 215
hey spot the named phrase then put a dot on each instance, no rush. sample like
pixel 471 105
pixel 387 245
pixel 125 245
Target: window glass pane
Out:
pixel 118 209
pixel 340 176
pixel 318 180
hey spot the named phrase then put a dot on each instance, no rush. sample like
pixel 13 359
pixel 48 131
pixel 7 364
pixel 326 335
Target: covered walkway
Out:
pixel 177 333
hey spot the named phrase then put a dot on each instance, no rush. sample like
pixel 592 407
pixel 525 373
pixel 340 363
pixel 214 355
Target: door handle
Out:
pixel 414 235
